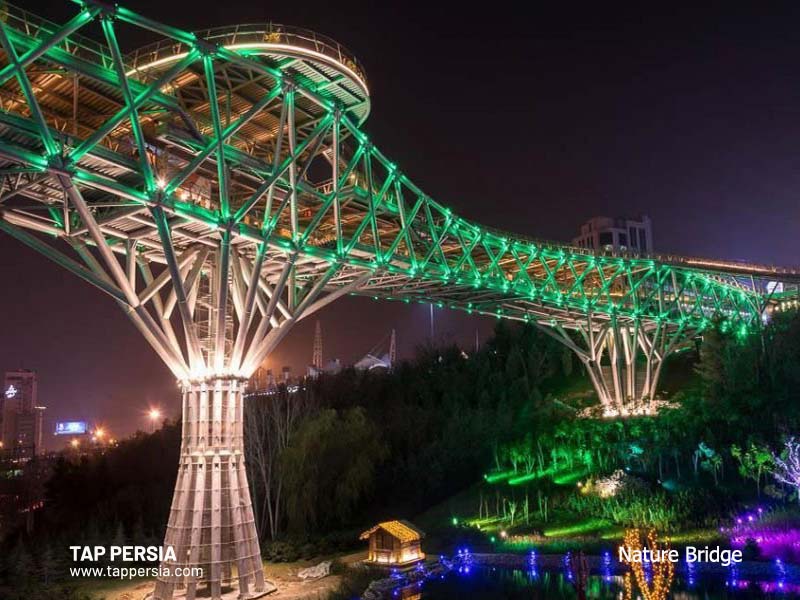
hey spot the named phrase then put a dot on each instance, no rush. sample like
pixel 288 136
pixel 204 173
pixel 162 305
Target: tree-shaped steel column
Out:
pixel 623 360
pixel 212 305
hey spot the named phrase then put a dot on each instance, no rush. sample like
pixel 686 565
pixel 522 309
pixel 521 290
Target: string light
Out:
pixel 661 573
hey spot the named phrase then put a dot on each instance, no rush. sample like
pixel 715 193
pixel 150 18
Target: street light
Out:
pixel 75 443
pixel 154 415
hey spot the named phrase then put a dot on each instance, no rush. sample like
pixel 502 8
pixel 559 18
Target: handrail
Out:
pixel 269 33
pixel 34 26
pixel 728 267
pixel 249 33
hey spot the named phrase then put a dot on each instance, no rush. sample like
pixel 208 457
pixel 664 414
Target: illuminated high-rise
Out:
pixel 22 417
pixel 602 234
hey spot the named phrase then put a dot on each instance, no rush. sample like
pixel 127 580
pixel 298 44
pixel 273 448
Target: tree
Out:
pixel 753 462
pixel 22 566
pixel 328 467
pixel 702 454
pixel 49 565
pixel 270 421
pixel 711 367
pixel 787 465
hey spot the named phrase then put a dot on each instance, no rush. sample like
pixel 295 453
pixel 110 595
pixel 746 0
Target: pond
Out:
pixel 495 583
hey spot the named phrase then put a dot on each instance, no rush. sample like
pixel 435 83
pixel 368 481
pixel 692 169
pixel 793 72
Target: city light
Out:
pixel 154 414
pixel 75 443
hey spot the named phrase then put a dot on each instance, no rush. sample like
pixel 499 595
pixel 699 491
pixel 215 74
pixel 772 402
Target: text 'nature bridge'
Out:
pixel 218 186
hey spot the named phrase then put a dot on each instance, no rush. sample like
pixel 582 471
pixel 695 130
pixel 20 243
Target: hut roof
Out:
pixel 402 530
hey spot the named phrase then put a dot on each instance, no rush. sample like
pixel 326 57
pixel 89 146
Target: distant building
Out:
pixel 375 360
pixel 262 379
pixel 22 417
pixel 610 234
pixel 370 362
pixel 332 367
pixel 394 544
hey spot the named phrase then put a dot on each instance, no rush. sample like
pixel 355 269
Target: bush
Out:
pixel 642 507
pixel 293 549
pixel 281 551
pixel 751 551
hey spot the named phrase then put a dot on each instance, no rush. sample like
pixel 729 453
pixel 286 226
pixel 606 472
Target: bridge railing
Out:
pixel 37 27
pixel 256 33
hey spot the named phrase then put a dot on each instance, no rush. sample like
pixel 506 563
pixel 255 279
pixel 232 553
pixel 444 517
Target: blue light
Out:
pixel 606 566
pixel 734 578
pixel 568 567
pixel 532 570
pixel 691 569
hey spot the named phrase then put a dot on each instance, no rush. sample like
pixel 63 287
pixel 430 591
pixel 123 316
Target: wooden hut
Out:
pixel 394 544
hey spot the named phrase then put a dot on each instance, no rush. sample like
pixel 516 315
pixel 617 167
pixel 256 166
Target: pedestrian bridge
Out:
pixel 219 187
pixel 238 151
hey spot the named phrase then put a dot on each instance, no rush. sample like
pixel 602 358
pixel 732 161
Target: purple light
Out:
pixel 773 542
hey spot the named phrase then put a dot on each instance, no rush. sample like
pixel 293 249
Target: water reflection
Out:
pixel 533 583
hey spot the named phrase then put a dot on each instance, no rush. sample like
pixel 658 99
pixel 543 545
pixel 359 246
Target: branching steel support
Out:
pixel 623 360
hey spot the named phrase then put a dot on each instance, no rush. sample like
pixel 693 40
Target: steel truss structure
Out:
pixel 219 188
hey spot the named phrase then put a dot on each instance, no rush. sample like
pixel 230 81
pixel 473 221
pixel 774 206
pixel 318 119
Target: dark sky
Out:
pixel 530 117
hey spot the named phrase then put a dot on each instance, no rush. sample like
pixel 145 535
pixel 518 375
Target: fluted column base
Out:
pixel 211 526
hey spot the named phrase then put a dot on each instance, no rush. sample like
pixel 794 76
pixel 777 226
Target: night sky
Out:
pixel 530 119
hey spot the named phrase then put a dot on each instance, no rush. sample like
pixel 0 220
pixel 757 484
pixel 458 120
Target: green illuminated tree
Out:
pixel 754 461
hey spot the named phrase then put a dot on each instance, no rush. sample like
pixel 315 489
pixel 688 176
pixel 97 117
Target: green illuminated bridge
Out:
pixel 218 187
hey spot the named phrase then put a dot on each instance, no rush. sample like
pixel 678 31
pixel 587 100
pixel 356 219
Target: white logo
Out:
pixel 11 391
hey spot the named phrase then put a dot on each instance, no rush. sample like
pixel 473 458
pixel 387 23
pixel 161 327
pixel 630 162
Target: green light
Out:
pixel 495 477
pixel 687 296
pixel 525 478
pixel 570 477
pixel 454 520
pixel 580 528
